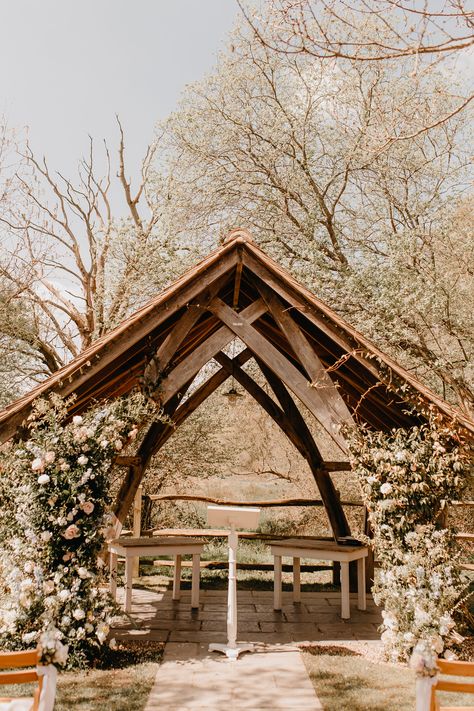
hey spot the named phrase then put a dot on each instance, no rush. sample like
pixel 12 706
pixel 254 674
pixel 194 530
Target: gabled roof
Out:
pixel 184 321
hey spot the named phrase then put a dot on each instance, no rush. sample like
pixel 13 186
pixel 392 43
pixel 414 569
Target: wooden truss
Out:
pixel 311 361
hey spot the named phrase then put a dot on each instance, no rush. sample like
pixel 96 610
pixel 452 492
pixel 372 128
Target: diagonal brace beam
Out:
pixel 282 367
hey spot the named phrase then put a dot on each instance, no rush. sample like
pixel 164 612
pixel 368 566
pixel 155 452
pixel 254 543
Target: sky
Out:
pixel 69 67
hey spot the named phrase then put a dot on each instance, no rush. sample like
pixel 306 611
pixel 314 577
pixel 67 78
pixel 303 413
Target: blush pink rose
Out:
pixel 87 507
pixel 71 532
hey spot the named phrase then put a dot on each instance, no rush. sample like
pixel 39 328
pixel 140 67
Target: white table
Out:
pixel 131 548
pixel 320 550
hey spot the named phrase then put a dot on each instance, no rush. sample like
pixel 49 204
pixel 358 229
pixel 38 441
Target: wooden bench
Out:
pixel 298 548
pixel 131 548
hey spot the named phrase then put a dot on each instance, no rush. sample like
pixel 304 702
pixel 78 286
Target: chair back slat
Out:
pixel 456 668
pixel 459 669
pixel 18 677
pixel 457 686
pixel 12 660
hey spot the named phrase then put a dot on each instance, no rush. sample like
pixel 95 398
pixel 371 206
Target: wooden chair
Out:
pixel 463 687
pixel 15 664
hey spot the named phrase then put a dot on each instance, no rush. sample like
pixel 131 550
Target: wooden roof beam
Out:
pixel 299 436
pixel 191 365
pixel 285 370
pixel 316 371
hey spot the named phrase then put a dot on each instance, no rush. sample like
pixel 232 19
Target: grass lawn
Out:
pixel 118 689
pixel 346 681
pixel 123 686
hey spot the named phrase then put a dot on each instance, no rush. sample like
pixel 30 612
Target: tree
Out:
pixel 79 263
pixel 428 33
pixel 298 149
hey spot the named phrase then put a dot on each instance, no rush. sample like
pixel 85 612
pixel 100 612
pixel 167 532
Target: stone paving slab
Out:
pixel 191 678
pixel 156 616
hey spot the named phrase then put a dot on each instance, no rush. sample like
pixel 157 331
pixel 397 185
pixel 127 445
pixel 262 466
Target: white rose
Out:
pixel 64 595
pixel 37 464
pixel 104 444
pixel 77 420
pixel 43 479
pixel 83 573
pixel 386 488
pixel 102 631
pixel 78 614
pixel 60 656
pixel 82 460
pixel 46 536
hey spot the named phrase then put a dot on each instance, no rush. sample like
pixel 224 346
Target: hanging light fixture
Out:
pixel 233 394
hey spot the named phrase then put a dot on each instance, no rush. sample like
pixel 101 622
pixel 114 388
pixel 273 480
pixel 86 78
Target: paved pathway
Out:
pixel 274 677
pixel 155 616
pixel 191 678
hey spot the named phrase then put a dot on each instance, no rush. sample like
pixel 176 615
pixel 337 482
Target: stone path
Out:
pixel 155 616
pixel 191 678
pixel 273 677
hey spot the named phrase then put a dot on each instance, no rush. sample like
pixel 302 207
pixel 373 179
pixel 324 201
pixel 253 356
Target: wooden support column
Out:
pixel 329 495
pixel 137 527
pixel 369 561
pixel 133 478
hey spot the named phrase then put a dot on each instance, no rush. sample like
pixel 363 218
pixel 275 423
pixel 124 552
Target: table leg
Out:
pixel 296 580
pixel 277 583
pixel 113 575
pixel 345 605
pixel 196 575
pixel 177 578
pixel 361 598
pixel 128 582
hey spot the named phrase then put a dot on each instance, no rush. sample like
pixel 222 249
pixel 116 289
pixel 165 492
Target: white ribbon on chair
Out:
pixel 423 692
pixel 48 691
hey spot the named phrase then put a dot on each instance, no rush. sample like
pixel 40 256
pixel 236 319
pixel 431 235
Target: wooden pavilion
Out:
pixel 301 346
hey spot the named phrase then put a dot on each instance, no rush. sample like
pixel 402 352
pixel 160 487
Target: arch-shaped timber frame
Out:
pixel 305 351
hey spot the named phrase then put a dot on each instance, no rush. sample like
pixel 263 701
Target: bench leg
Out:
pixel 296 580
pixel 361 599
pixel 196 575
pixel 177 578
pixel 128 583
pixel 345 605
pixel 113 575
pixel 277 583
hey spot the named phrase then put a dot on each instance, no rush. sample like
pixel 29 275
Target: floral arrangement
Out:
pixel 54 499
pixel 406 477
